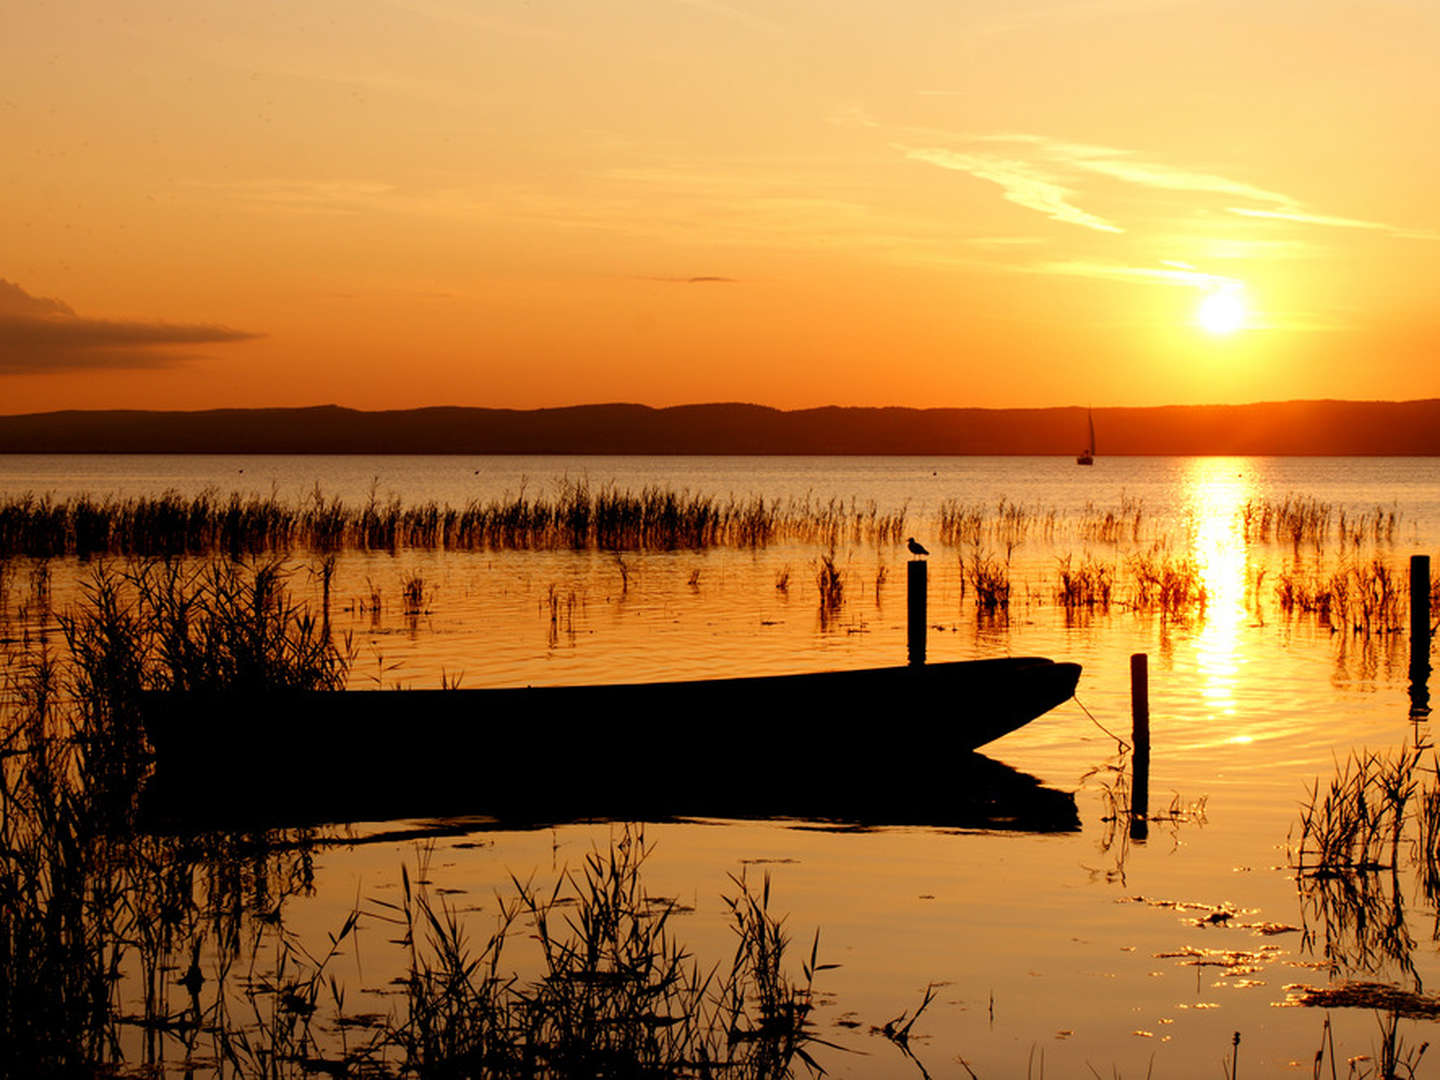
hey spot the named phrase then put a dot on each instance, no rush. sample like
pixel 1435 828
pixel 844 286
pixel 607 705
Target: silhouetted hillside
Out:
pixel 1292 427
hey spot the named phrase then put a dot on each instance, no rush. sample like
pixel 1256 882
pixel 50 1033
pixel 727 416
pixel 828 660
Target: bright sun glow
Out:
pixel 1222 312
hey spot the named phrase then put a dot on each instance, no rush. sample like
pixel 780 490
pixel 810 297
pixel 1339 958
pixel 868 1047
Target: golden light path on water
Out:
pixel 1215 493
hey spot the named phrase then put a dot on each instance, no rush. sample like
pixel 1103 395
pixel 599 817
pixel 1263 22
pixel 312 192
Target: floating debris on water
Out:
pixel 1235 962
pixel 1188 905
pixel 1214 915
pixel 1269 929
pixel 1215 918
pixel 1410 1004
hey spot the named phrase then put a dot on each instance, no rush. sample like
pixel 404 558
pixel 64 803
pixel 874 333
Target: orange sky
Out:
pixel 937 202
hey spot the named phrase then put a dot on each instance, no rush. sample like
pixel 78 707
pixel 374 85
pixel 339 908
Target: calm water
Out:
pixel 1068 948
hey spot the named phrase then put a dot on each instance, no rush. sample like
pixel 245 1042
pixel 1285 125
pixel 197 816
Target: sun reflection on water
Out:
pixel 1216 490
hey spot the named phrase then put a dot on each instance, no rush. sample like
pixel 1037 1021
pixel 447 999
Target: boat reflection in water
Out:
pixel 970 791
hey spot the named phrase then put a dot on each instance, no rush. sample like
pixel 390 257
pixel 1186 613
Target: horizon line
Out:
pixel 724 404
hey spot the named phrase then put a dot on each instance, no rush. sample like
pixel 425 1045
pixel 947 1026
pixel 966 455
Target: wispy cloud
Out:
pixel 1128 166
pixel 1178 274
pixel 40 335
pixel 1023 184
pixel 1208 243
pixel 1168 178
pixel 1303 218
pixel 1004 241
pixel 852 116
pixel 1046 174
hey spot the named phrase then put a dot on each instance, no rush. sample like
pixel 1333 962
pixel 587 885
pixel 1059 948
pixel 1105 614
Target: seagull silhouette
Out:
pixel 915 549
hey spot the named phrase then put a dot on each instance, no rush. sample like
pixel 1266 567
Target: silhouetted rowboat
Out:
pixel 566 748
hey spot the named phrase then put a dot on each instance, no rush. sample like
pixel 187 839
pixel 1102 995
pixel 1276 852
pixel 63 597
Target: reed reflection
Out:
pixel 1216 491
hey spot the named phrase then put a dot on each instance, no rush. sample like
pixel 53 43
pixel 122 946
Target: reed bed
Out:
pixel 1298 519
pixel 1374 526
pixel 1311 595
pixel 605 518
pixel 1378 815
pixel 55 888
pixel 1088 586
pixel 961 524
pixel 414 595
pixel 1358 823
pixel 160 625
pixel 575 517
pixel 1113 525
pixel 989 579
pixel 99 917
pixel 1295 518
pixel 108 928
pixel 1367 598
pixel 1014 523
pixel 616 994
pixel 830 582
pixel 1166 584
pixel 1391 1058
pixel 217 627
pixel 1007 524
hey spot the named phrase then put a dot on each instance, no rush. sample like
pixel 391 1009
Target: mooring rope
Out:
pixel 1097 723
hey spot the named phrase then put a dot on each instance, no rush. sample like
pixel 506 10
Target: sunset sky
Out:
pixel 925 203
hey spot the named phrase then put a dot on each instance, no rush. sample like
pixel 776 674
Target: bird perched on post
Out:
pixel 915 549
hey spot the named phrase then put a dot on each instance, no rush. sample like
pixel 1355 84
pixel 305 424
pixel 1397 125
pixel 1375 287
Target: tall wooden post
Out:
pixel 916 584
pixel 1419 636
pixel 1419 613
pixel 1140 737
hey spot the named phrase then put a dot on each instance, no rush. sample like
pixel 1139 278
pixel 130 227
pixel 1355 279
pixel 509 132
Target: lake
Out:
pixel 1051 953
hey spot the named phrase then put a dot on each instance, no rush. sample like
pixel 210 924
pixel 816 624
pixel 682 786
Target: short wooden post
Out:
pixel 1140 738
pixel 916 583
pixel 1419 636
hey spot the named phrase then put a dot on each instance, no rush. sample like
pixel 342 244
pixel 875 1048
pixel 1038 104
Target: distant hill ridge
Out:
pixel 1402 428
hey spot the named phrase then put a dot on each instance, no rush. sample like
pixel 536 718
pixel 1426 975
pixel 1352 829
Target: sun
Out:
pixel 1223 311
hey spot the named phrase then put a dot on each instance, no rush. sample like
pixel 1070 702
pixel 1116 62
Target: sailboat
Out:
pixel 1087 456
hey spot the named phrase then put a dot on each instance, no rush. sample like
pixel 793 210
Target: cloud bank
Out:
pixel 41 335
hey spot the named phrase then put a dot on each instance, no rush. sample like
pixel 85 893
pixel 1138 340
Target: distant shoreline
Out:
pixel 1284 429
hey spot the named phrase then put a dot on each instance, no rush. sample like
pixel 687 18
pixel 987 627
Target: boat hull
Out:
pixel 784 741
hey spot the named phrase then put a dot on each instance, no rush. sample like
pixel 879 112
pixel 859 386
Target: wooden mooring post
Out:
pixel 916 584
pixel 1140 739
pixel 1419 636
